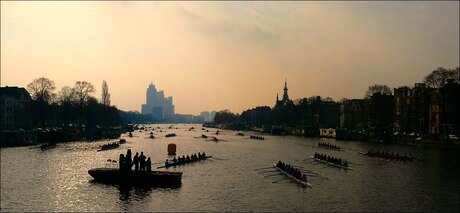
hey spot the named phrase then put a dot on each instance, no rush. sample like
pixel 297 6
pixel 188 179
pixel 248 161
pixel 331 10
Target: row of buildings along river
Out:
pixel 409 114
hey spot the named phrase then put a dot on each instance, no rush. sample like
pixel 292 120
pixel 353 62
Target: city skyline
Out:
pixel 227 55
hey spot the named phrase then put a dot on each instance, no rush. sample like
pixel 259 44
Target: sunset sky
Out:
pixel 227 55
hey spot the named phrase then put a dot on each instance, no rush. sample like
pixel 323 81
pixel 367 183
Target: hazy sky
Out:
pixel 227 55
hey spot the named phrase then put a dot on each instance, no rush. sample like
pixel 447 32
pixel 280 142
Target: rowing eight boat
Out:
pixel 303 183
pixel 408 159
pixel 332 164
pixel 331 148
pixel 186 162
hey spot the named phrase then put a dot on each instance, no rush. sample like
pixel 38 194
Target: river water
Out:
pixel 233 181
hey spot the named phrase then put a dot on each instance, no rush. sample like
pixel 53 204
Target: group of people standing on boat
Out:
pixel 140 162
pixel 330 159
pixel 328 145
pixel 392 156
pixel 292 171
pixel 185 159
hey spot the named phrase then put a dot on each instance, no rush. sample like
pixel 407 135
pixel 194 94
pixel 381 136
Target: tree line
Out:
pixel 70 106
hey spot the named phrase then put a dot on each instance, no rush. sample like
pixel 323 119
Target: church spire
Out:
pixel 285 95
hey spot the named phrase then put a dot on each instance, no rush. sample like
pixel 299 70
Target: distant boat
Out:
pixel 109 146
pixel 257 137
pixel 171 135
pixel 47 146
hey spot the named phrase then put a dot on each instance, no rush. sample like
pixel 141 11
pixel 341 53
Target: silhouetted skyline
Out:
pixel 227 55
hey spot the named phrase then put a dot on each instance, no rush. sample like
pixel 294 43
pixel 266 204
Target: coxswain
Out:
pixel 304 178
pixel 166 163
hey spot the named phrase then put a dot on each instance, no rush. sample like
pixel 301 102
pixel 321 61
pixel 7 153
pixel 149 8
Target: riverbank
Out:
pixel 342 136
pixel 20 137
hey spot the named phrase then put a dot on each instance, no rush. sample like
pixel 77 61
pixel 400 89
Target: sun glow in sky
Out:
pixel 227 55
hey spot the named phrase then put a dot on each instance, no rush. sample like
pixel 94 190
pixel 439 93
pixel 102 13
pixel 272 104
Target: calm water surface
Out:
pixel 57 179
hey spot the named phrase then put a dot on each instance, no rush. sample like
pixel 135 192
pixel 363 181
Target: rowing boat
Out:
pixel 178 164
pixel 332 164
pixel 409 159
pixel 330 148
pixel 108 146
pixel 303 183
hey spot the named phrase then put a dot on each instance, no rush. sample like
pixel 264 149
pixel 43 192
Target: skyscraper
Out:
pixel 157 105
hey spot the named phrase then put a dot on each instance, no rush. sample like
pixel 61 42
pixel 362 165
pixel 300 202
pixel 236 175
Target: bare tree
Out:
pixel 66 95
pixel 343 100
pixel 328 99
pixel 82 91
pixel 438 77
pixel 41 89
pixel 377 88
pixel 457 75
pixel 314 98
pixel 105 94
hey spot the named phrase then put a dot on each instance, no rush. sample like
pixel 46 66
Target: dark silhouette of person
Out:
pixel 148 164
pixel 121 162
pixel 142 161
pixel 174 160
pixel 128 160
pixel 136 161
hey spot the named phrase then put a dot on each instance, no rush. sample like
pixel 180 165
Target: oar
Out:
pixel 280 180
pixel 309 171
pixel 354 163
pixel 272 175
pixel 264 168
pixel 158 163
pixel 219 158
pixel 318 177
pixel 266 172
pixel 298 166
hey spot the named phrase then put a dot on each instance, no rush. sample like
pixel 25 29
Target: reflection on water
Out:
pixel 128 194
pixel 57 179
